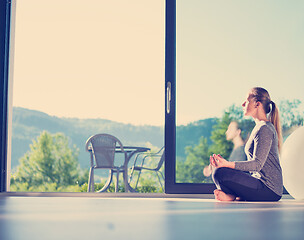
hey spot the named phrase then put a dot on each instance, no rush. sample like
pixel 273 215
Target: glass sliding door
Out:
pixel 219 50
pixel 83 68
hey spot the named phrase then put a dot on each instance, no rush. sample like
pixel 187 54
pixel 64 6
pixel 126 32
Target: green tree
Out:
pixel 291 116
pixel 49 164
pixel 220 144
pixel 197 157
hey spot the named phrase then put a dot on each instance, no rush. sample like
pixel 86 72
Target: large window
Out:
pixel 80 69
pixel 224 48
pixel 83 68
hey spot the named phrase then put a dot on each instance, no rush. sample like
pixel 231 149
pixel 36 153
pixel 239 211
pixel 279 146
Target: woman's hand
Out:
pixel 218 161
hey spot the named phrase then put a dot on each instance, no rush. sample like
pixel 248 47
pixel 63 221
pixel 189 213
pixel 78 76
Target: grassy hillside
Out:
pixel 28 124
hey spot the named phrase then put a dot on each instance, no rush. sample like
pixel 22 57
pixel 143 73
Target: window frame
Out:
pixel 5 30
pixel 171 186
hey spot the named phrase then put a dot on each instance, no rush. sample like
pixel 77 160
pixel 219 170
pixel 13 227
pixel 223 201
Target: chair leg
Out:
pixel 161 185
pixel 91 180
pixel 117 181
pixel 162 175
pixel 107 184
pixel 131 175
pixel 125 180
pixel 139 172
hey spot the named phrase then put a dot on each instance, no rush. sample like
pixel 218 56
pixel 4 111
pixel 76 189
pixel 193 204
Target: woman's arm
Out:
pixel 262 142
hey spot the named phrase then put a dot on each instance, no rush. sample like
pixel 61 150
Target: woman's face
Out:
pixel 249 106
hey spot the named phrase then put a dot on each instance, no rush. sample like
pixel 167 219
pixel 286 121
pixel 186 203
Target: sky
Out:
pixel 91 59
pixel 105 59
pixel 224 48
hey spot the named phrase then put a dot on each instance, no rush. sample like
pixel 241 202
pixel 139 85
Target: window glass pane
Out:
pixel 224 48
pixel 83 68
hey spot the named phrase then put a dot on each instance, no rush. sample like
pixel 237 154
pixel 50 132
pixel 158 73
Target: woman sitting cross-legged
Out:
pixel 264 183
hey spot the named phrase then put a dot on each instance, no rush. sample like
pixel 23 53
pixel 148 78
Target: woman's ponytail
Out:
pixel 261 95
pixel 275 120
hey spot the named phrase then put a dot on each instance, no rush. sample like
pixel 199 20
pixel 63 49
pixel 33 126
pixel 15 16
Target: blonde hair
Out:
pixel 261 95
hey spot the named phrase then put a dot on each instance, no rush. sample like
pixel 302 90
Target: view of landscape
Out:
pixel 34 131
pixel 82 69
pixel 28 125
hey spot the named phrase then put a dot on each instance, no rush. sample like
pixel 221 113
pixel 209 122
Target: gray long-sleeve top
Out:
pixel 263 157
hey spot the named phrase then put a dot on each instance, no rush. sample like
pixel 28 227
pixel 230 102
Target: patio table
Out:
pixel 130 152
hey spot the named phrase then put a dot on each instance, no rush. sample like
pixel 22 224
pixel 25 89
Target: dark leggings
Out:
pixel 241 184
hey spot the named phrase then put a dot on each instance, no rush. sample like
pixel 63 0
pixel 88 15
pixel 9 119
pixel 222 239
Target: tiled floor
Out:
pixel 124 217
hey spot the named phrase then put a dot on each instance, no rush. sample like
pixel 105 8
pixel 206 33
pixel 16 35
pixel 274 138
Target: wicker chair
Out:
pixel 158 158
pixel 102 148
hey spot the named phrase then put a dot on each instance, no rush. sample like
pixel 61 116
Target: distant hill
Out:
pixel 28 125
pixel 189 135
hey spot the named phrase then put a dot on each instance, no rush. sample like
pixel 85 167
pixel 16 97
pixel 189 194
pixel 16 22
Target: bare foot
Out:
pixel 221 196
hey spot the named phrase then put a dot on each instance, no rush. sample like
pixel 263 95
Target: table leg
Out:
pixel 107 184
pixel 128 187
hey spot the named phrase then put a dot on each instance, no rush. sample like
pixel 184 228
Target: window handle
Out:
pixel 168 97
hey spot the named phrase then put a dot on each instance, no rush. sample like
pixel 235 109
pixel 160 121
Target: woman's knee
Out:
pixel 220 173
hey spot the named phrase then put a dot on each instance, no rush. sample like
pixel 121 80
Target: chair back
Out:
pixel 102 147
